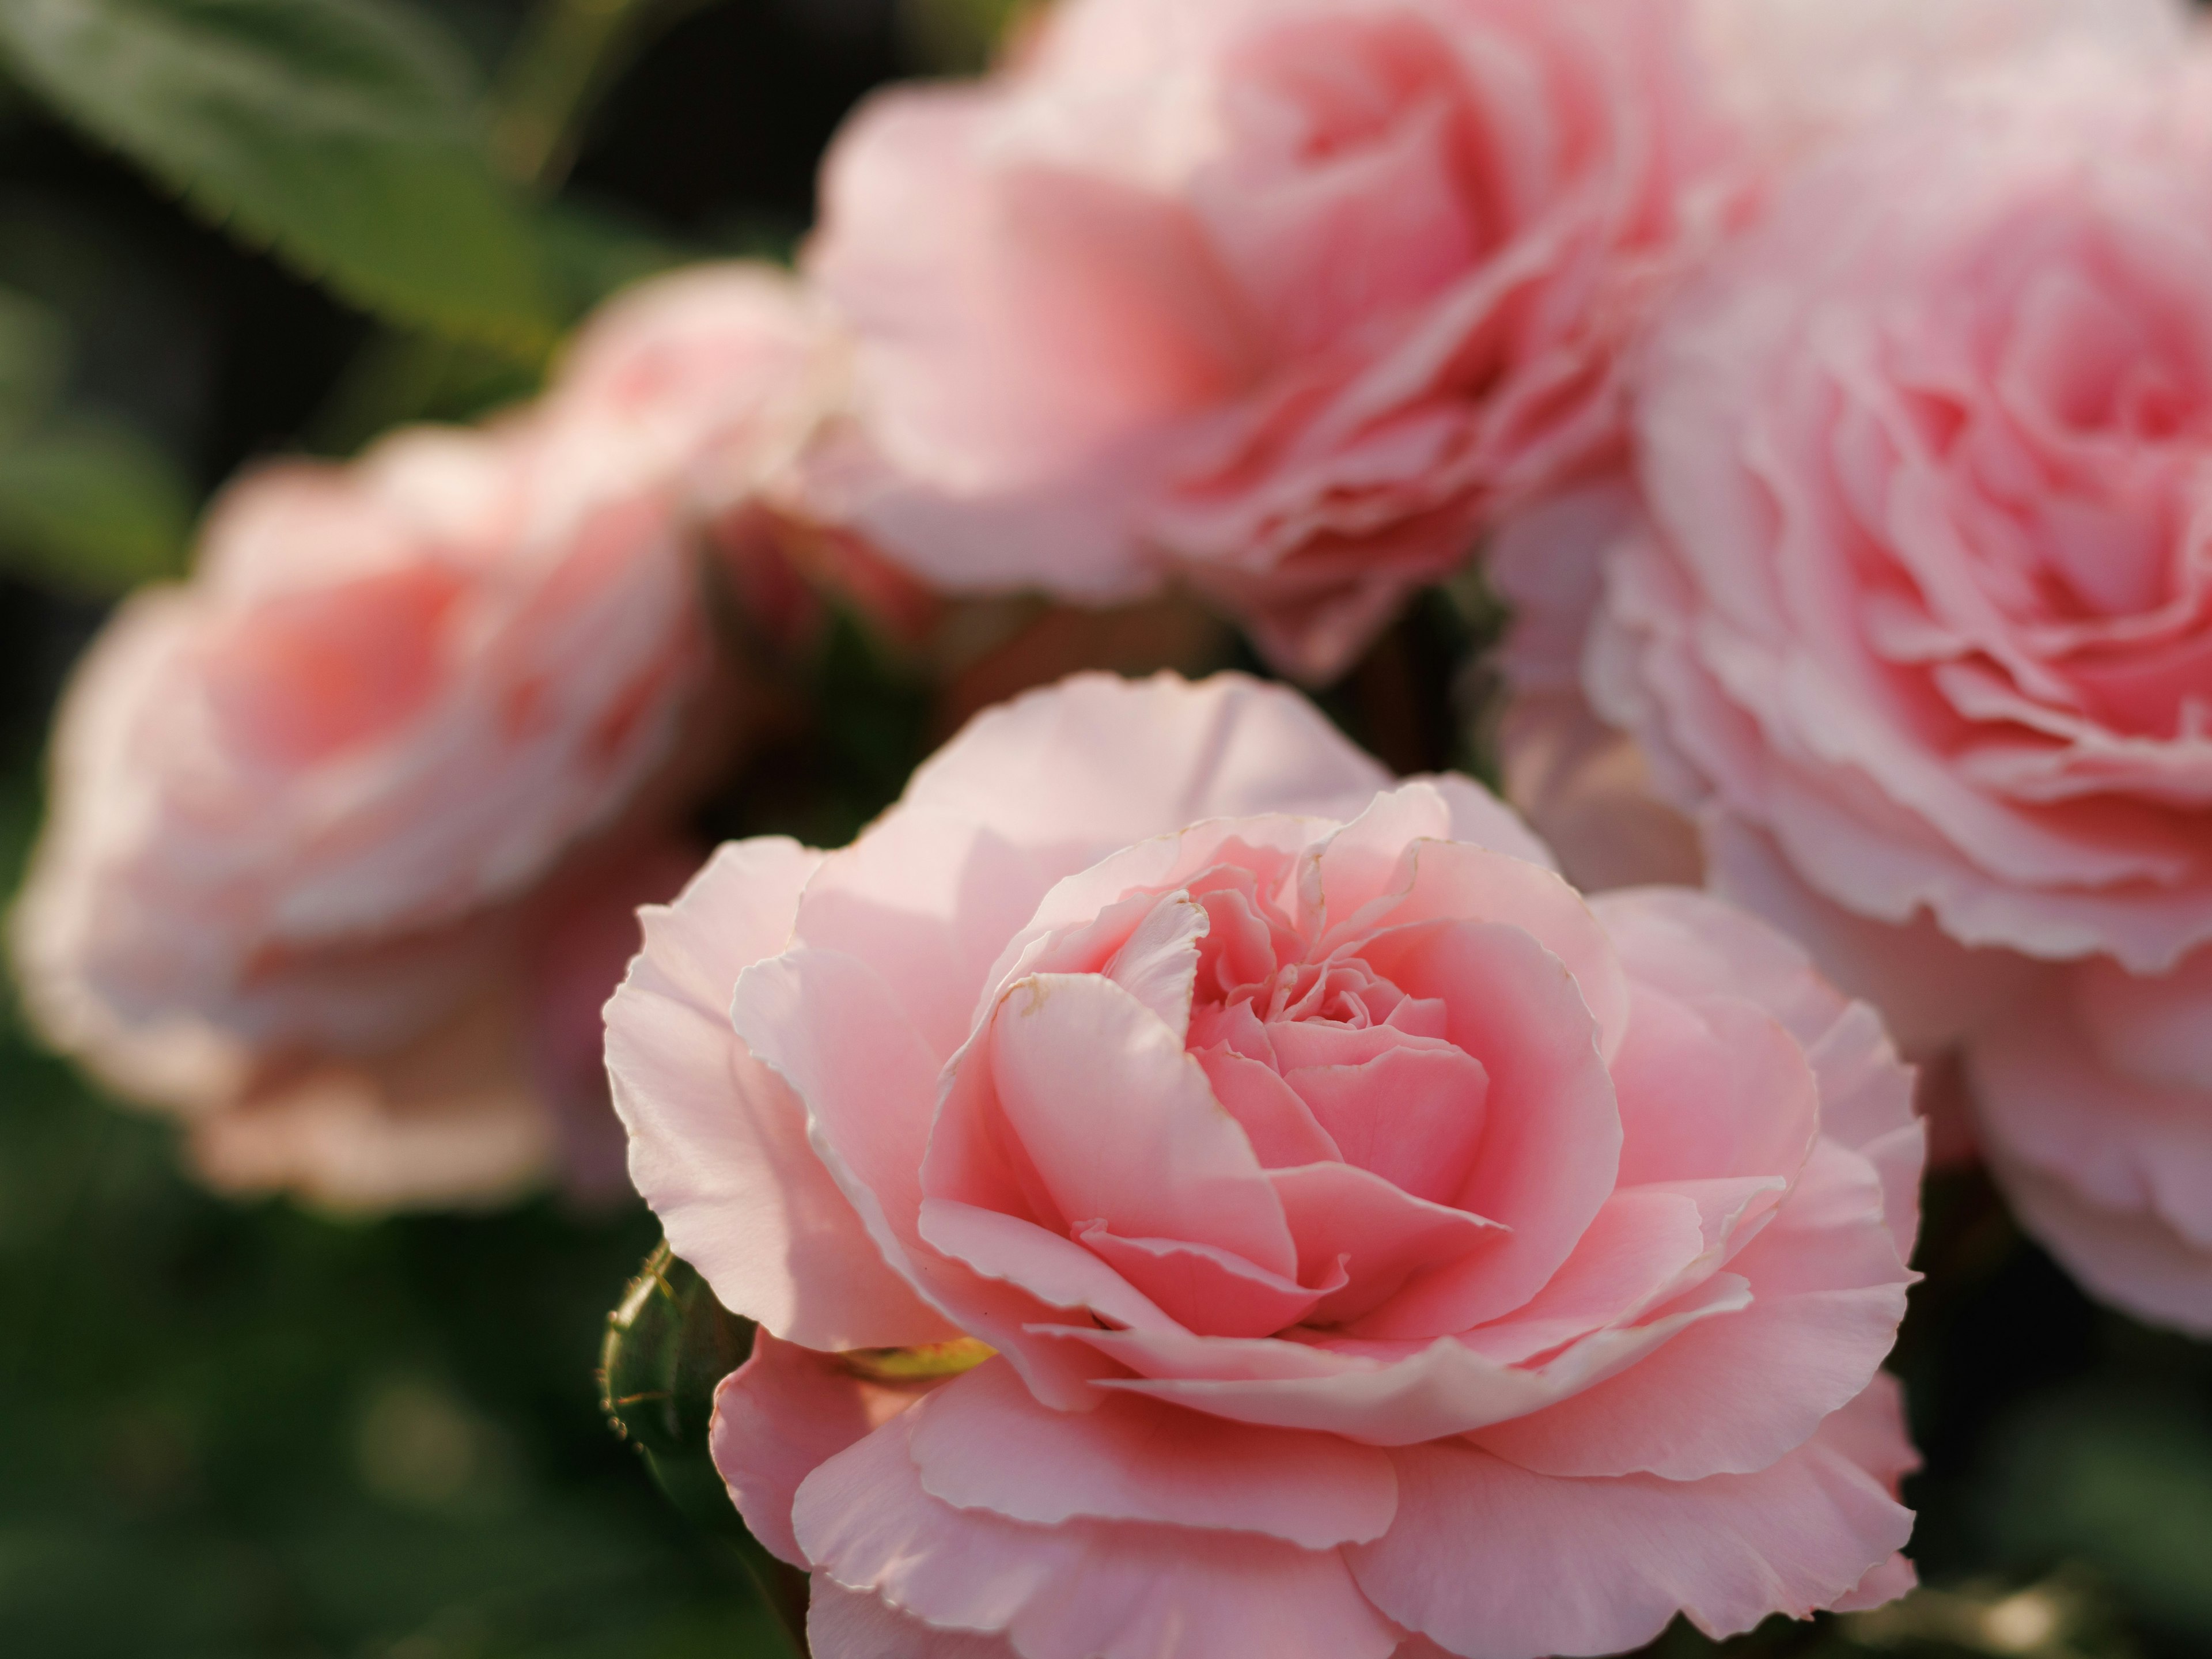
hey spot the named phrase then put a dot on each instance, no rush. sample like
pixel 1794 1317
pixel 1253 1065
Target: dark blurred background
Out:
pixel 244 1429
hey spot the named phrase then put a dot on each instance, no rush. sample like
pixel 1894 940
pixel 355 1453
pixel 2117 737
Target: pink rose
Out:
pixel 303 805
pixel 2095 1107
pixel 713 377
pixel 1921 617
pixel 1798 73
pixel 1356 1243
pixel 712 380
pixel 1286 299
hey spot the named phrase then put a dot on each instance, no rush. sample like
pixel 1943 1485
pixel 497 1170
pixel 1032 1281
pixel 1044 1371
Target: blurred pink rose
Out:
pixel 1384 1251
pixel 1921 617
pixel 297 802
pixel 713 377
pixel 1798 73
pixel 1283 299
pixel 2094 1097
pixel 713 380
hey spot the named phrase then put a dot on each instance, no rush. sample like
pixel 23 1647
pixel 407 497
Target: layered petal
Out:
pixel 719 1142
pixel 1601 1566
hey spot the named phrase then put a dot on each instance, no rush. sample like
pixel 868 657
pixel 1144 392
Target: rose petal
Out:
pixel 1601 1566
pixel 719 1142
pixel 1083 1589
pixel 984 1443
pixel 779 1417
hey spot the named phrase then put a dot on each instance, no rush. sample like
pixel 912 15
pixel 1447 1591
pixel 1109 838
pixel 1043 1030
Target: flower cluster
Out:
pixel 1199 1196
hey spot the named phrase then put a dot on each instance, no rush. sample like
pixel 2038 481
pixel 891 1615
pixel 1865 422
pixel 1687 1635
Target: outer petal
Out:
pixel 1573 1567
pixel 717 1142
pixel 927 898
pixel 1387 1394
pixel 1096 763
pixel 2113 1172
pixel 1691 945
pixel 445 1121
pixel 1931 989
pixel 843 1624
pixel 984 1442
pixel 1731 1395
pixel 1083 1589
pixel 1588 789
pixel 779 1417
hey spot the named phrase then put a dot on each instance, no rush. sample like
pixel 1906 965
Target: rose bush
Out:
pixel 1368 1246
pixel 1286 300
pixel 1920 617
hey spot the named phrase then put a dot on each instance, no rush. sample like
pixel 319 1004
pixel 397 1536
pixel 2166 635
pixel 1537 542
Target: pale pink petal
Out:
pixel 1587 788
pixel 1893 1578
pixel 1601 1566
pixel 717 1141
pixel 983 1442
pixel 1082 1589
pixel 1383 1235
pixel 1931 990
pixel 1478 816
pixel 843 1624
pixel 1708 1089
pixel 926 899
pixel 1203 1288
pixel 1281 1129
pixel 779 1417
pixel 1693 947
pixel 1121 1126
pixel 1456 881
pixel 1052 1267
pixel 2109 1169
pixel 867 1105
pixel 1551 1145
pixel 1732 1394
pixel 1413 1115
pixel 1095 763
pixel 1393 1394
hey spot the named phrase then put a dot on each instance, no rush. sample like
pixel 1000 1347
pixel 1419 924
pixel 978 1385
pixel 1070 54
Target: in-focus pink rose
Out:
pixel 1285 299
pixel 1921 619
pixel 1369 1247
pixel 301 805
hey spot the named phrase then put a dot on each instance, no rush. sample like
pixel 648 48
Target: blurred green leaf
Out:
pixel 960 35
pixel 335 132
pixel 2116 1475
pixel 33 361
pixel 89 505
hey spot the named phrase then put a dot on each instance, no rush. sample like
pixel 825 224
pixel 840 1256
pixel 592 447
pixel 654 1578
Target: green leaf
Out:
pixel 92 505
pixel 338 133
pixel 33 361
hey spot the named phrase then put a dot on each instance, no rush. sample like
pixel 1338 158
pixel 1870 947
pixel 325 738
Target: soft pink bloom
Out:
pixel 1384 1251
pixel 348 830
pixel 300 804
pixel 1920 617
pixel 1285 298
pixel 1799 73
